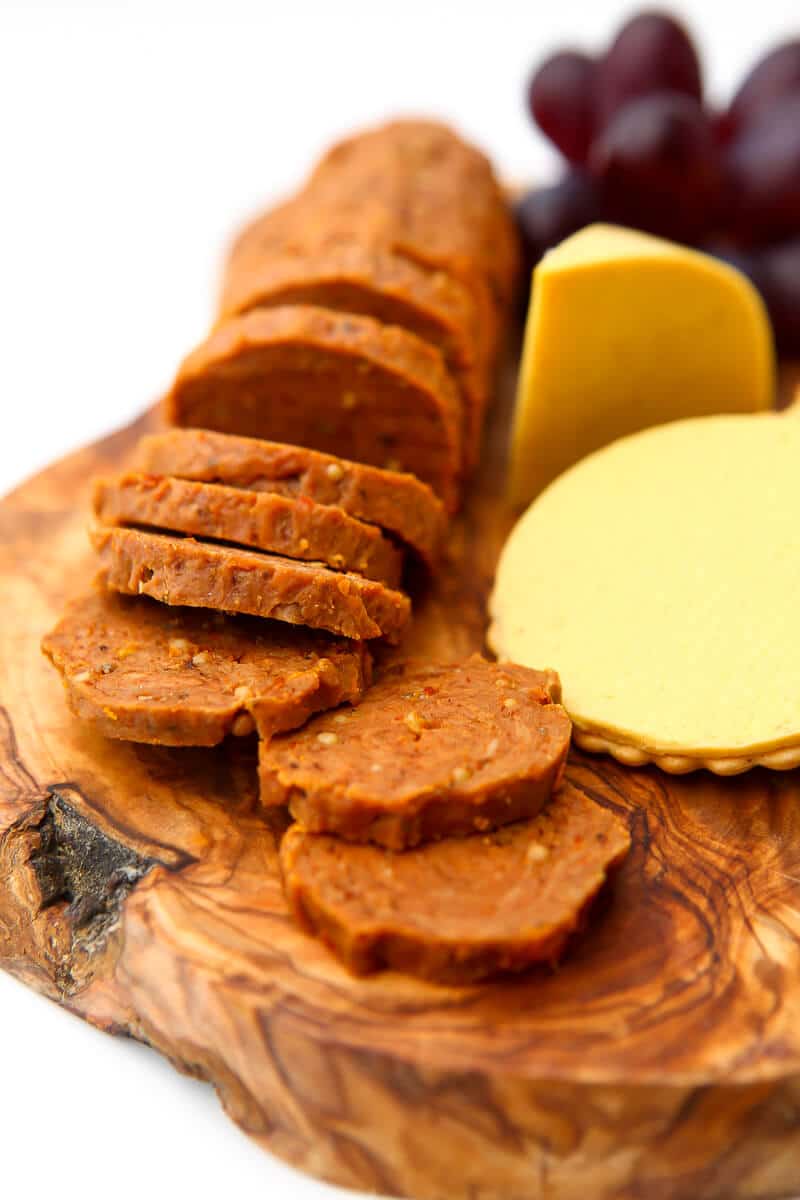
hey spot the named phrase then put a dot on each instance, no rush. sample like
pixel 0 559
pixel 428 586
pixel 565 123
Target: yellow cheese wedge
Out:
pixel 661 578
pixel 626 331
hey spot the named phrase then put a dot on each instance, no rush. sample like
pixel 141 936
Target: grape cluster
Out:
pixel 646 151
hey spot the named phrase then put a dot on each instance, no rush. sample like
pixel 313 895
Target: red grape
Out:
pixel 657 167
pixel 763 174
pixel 781 290
pixel 775 271
pixel 561 98
pixel 651 53
pixel 722 125
pixel 749 262
pixel 772 78
pixel 546 216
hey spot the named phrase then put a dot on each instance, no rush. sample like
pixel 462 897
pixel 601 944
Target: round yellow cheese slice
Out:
pixel 661 578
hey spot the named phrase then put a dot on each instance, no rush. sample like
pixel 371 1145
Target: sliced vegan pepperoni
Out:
pixel 294 527
pixel 431 751
pixel 395 501
pixel 138 670
pixel 336 382
pixel 461 909
pixel 197 574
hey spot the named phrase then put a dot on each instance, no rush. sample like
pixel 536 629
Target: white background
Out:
pixel 133 138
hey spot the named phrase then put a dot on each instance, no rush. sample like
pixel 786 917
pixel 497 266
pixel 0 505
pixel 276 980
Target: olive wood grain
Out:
pixel 139 888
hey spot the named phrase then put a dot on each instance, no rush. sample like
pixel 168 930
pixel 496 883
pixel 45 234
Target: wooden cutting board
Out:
pixel 139 887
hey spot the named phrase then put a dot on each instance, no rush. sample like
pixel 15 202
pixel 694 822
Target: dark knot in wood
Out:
pixel 80 865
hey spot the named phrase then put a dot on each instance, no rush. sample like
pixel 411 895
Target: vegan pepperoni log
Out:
pixel 407 223
pixel 339 383
pixel 430 752
pixel 397 502
pixel 135 669
pixel 417 189
pixel 183 571
pixel 294 527
pixel 435 195
pixel 461 909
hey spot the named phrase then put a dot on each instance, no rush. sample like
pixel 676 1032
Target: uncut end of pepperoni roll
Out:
pixel 462 909
pixel 459 221
pixel 432 751
pixel 339 383
pixel 397 502
pixel 137 670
